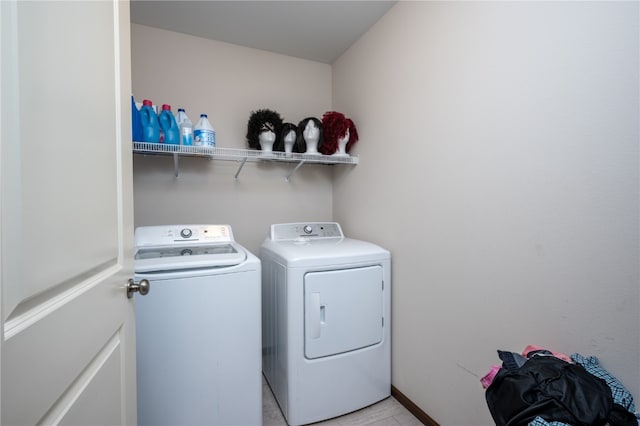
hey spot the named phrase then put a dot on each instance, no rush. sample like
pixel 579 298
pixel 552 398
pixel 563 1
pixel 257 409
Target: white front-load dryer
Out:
pixel 326 306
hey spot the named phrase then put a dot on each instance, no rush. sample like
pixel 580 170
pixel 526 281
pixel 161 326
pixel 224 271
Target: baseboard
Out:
pixel 412 407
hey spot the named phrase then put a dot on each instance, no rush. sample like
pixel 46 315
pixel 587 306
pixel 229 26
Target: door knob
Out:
pixel 142 288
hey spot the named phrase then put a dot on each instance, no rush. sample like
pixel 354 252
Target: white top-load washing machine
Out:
pixel 198 330
pixel 326 314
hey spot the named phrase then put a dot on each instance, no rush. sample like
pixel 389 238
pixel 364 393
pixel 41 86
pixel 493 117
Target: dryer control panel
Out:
pixel 296 231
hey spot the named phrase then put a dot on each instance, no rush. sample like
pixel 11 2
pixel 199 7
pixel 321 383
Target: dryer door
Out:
pixel 343 310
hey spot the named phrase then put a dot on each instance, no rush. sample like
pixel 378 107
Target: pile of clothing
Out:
pixel 544 388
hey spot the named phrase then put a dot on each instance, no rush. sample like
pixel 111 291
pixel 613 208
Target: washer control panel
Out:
pixel 175 234
pixel 297 231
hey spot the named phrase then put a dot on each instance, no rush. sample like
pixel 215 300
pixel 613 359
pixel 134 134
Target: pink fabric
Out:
pixel 488 378
pixel 531 348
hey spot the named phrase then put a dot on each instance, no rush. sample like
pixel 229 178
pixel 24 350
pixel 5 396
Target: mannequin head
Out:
pixel 266 140
pixel 342 144
pixel 287 138
pixel 309 135
pixel 262 128
pixel 340 133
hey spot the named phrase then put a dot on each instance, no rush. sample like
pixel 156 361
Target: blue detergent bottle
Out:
pixel 169 126
pixel 150 124
pixel 136 122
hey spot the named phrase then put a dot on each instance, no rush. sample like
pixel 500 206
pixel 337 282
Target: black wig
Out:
pixel 301 144
pixel 284 131
pixel 260 121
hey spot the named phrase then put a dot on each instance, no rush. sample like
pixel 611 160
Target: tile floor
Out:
pixel 387 412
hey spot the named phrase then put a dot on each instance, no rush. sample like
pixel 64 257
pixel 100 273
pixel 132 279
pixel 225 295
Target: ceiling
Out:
pixel 315 30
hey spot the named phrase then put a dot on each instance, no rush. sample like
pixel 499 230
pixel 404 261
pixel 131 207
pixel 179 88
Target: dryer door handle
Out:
pixel 316 314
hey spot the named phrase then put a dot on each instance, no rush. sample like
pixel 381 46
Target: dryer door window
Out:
pixel 342 311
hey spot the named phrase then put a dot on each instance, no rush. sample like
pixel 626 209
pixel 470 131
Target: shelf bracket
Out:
pixel 294 170
pixel 244 160
pixel 175 164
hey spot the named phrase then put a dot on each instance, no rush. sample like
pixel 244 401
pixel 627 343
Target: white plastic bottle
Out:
pixel 203 133
pixel 186 128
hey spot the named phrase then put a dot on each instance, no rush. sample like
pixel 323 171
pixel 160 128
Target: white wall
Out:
pixel 227 82
pixel 499 164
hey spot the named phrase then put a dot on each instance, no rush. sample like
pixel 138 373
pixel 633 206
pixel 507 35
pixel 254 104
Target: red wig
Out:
pixel 335 126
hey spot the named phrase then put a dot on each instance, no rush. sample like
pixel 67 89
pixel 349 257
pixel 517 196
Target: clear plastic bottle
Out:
pixel 203 133
pixel 169 126
pixel 186 128
pixel 180 116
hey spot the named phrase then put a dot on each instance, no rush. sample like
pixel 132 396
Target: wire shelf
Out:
pixel 239 155
pixel 232 154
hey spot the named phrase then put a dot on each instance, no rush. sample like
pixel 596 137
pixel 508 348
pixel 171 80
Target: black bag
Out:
pixel 555 390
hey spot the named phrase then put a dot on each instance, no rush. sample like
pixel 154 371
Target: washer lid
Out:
pixel 168 258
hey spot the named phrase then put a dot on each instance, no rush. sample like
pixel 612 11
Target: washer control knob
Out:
pixel 186 233
pixel 307 229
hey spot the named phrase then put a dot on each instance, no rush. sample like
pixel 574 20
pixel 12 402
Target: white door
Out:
pixel 343 310
pixel 67 348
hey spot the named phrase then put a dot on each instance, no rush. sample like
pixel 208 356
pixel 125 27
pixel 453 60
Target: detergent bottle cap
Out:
pixel 166 107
